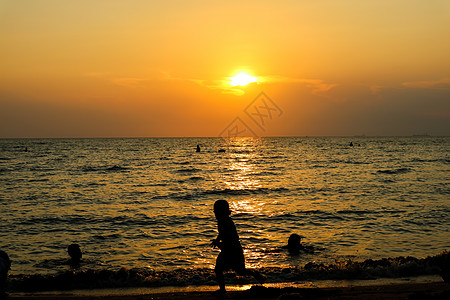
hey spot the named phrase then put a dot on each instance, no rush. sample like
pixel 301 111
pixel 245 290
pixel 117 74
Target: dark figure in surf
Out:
pixel 445 267
pixel 75 255
pixel 198 148
pixel 5 266
pixel 231 255
pixel 295 246
pixel 74 261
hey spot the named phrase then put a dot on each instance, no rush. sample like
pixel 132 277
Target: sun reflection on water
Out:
pixel 248 206
pixel 241 165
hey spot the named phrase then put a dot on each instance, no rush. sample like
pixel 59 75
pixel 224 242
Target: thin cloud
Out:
pixel 316 85
pixel 220 84
pixel 441 84
pixel 130 82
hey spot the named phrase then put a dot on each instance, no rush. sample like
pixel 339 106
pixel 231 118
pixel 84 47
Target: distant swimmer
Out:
pixel 351 144
pixel 5 266
pixel 75 254
pixel 198 148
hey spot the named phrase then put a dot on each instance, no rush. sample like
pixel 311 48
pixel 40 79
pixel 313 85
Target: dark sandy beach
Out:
pixel 434 290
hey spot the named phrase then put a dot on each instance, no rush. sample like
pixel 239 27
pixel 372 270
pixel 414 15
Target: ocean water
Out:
pixel 146 203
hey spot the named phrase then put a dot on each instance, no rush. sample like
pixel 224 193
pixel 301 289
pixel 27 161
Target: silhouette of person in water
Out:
pixel 198 148
pixel 295 246
pixel 5 266
pixel 74 261
pixel 75 255
pixel 445 267
pixel 231 255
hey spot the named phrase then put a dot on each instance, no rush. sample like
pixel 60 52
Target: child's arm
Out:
pixel 216 243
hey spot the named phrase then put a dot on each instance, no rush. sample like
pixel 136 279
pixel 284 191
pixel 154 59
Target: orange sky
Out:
pixel 134 68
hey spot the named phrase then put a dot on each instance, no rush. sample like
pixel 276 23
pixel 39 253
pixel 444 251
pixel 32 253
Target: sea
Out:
pixel 141 209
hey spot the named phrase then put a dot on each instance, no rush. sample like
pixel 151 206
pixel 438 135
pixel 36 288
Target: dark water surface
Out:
pixel 147 203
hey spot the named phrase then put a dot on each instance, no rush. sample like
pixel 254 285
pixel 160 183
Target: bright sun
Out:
pixel 242 79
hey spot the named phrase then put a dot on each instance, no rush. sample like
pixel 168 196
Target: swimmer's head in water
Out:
pixel 74 252
pixel 221 209
pixel 294 242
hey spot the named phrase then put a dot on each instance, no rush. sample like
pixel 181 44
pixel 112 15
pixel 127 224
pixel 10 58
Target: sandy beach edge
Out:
pixel 407 290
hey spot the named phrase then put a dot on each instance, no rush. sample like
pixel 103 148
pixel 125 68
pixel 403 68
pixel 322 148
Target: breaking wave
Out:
pixel 143 277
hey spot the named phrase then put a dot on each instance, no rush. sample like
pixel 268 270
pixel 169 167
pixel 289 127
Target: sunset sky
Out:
pixel 137 68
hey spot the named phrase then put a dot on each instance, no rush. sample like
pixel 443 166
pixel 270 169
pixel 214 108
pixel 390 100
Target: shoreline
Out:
pixel 430 287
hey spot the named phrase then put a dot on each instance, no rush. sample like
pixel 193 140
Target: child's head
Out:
pixel 221 209
pixel 74 252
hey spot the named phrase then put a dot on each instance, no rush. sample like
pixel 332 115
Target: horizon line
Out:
pixel 279 136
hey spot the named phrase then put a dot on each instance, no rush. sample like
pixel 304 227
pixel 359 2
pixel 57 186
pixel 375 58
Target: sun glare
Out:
pixel 242 79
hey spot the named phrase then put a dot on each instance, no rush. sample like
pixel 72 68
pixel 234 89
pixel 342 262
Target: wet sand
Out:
pixel 412 291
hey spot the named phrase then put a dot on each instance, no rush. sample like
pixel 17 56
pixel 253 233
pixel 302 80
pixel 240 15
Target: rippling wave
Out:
pixel 395 171
pixel 146 204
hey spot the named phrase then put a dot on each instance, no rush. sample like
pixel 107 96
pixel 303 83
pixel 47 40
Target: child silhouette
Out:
pixel 231 255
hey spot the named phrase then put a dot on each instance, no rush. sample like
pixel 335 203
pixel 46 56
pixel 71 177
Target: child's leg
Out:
pixel 261 279
pixel 240 269
pixel 220 279
pixel 219 269
pixel 254 273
